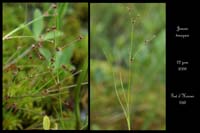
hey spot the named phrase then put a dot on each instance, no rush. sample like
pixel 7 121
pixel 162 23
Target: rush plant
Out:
pixel 125 100
pixel 42 87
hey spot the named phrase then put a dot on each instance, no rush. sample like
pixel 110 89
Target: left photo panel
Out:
pixel 45 66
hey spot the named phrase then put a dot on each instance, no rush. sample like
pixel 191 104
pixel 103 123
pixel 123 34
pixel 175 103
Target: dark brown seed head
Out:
pixel 48 30
pixel 45 92
pixel 53 27
pixel 33 46
pixel 133 21
pixel 58 49
pixel 80 37
pixel 132 60
pixel 54 6
pixel 40 44
pixel 64 67
pixel 69 104
pixel 7 97
pixel 30 57
pixel 41 57
pixel 11 67
pixel 72 69
pixel 14 105
pixel 52 60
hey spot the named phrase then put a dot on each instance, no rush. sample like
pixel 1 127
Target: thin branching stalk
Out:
pixel 115 87
pixel 18 58
pixel 25 25
pixel 64 89
pixel 126 106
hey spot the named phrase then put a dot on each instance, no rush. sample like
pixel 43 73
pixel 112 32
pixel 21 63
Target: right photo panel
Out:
pixel 127 66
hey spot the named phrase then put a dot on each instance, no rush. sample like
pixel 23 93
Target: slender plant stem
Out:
pixel 116 91
pixel 21 27
pixel 77 94
pixel 123 91
pixel 130 78
pixel 13 55
pixel 44 96
pixel 119 99
pixel 13 37
pixel 19 57
pixel 25 25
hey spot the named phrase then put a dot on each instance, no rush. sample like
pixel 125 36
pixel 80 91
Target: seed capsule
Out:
pixel 131 60
pixel 54 6
pixel 73 69
pixel 66 68
pixel 14 105
pixel 33 46
pixel 11 67
pixel 133 21
pixel 40 44
pixel 52 60
pixel 30 57
pixel 80 37
pixel 45 92
pixel 7 97
pixel 69 104
pixel 53 27
pixel 58 49
pixel 41 57
pixel 48 30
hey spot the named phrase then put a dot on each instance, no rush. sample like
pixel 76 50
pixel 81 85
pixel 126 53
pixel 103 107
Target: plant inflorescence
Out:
pixel 126 100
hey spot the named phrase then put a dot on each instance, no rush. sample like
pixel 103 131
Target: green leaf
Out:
pixel 81 79
pixel 46 123
pixel 46 53
pixel 64 57
pixel 52 34
pixel 62 8
pixel 37 25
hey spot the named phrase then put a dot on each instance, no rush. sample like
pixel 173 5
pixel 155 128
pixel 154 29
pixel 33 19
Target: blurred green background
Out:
pixel 32 75
pixel 111 29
